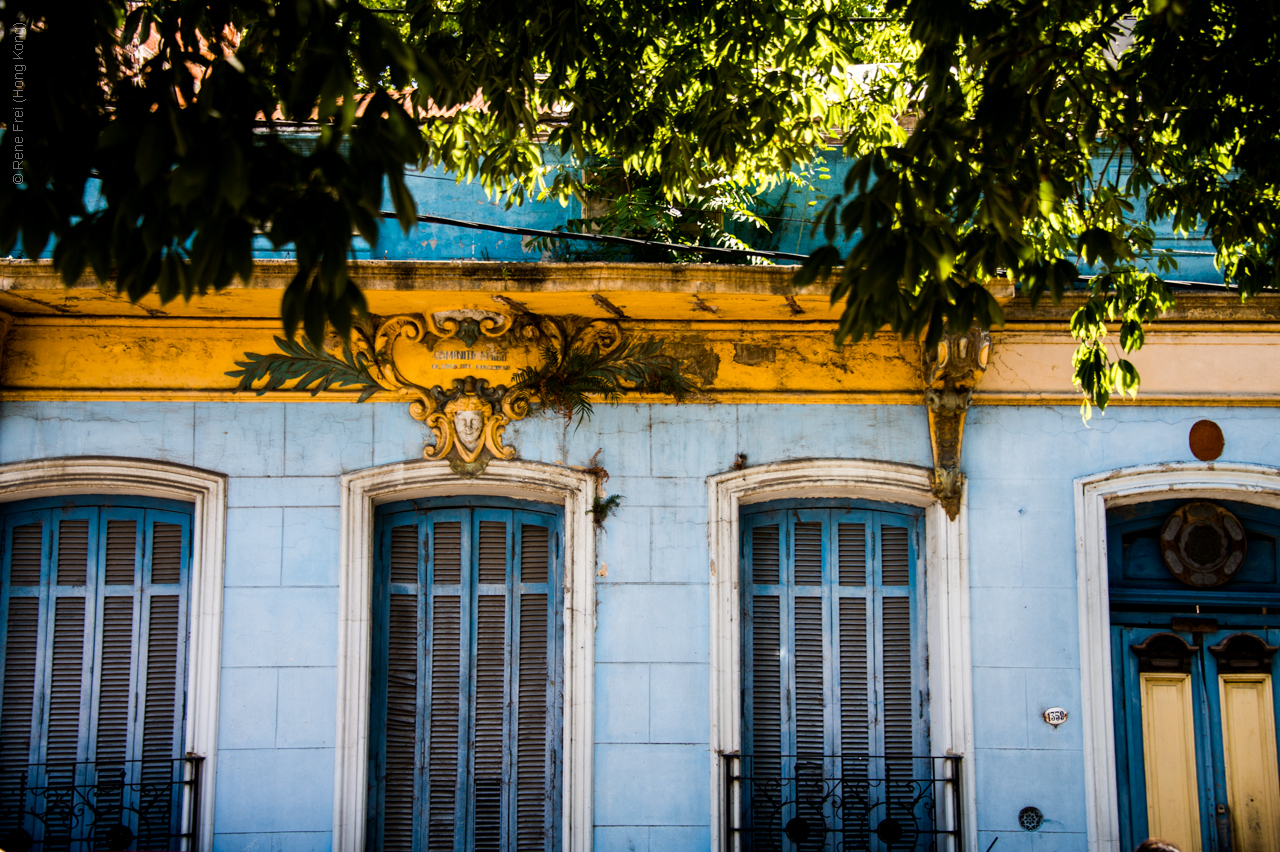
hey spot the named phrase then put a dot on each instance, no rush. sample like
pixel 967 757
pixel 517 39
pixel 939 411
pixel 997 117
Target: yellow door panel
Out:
pixel 1169 744
pixel 1253 781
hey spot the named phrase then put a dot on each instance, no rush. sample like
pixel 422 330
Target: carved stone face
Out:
pixel 469 426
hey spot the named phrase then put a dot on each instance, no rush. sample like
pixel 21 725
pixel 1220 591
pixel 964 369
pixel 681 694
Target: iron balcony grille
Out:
pixel 783 803
pixel 85 807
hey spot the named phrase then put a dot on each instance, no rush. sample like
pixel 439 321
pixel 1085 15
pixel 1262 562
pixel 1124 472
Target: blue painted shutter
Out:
pixel 536 802
pixel 78 657
pixel 401 748
pixel 444 747
pixel 855 730
pixel 832 659
pixel 489 684
pixel 22 575
pixel 896 655
pixel 467 723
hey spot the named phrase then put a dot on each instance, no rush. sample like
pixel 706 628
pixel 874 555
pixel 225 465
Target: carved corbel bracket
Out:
pixel 951 371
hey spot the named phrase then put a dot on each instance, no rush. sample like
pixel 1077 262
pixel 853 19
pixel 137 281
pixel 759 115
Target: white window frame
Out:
pixel 946 560
pixel 1093 496
pixel 90 475
pixel 362 491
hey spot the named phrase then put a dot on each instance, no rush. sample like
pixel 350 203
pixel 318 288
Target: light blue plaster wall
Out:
pixel 274 788
pixel 652 759
pixel 1026 654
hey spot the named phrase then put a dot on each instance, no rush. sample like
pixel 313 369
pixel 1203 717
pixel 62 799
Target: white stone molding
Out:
pixel 365 489
pixel 87 475
pixel 946 561
pixel 1093 496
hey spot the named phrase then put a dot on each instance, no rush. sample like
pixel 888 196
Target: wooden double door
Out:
pixel 1196 709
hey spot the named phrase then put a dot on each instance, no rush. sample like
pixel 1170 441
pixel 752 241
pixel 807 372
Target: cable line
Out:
pixel 601 238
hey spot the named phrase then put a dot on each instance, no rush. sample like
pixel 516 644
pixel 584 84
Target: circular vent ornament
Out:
pixel 1203 544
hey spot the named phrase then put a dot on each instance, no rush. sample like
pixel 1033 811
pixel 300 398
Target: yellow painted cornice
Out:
pixel 746 334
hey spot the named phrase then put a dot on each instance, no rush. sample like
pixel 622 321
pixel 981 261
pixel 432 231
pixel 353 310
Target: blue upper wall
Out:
pixel 437 193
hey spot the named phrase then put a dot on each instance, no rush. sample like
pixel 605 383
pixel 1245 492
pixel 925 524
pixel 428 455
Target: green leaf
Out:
pixel 314 368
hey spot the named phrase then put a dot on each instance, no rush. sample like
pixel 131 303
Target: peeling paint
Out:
pixel 751 354
pixel 698 359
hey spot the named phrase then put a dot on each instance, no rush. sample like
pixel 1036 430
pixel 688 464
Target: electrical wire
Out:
pixel 609 239
pixel 601 238
pixel 802 221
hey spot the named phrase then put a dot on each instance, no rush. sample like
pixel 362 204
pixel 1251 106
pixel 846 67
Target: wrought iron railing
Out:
pixel 85 807
pixel 781 803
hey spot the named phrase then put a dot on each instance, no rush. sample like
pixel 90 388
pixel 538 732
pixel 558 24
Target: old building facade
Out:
pixel 870 595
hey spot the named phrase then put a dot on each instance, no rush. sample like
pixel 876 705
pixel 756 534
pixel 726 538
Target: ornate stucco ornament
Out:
pixel 402 355
pixel 951 370
pixel 468 324
pixel 468 424
pixel 494 365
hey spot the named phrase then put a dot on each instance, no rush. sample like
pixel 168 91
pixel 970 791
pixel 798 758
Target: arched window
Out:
pixel 468 694
pixel 93 632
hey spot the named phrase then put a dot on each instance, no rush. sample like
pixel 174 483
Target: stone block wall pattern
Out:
pixel 276 730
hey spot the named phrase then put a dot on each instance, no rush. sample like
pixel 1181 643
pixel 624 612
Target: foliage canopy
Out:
pixel 1048 136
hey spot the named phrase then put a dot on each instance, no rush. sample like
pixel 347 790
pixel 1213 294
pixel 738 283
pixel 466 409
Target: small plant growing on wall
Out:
pixel 597 359
pixel 596 469
pixel 603 507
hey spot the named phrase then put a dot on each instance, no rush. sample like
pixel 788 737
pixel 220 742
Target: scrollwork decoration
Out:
pixel 468 324
pixel 581 359
pixel 469 421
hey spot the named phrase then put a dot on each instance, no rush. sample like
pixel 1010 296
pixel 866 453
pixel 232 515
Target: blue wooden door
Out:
pixel 1211 640
pixel 1218 803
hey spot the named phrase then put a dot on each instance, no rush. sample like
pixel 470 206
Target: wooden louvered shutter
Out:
pixel 830 658
pixel 766 656
pixel 896 645
pixel 809 662
pixel 444 746
pixel 48 645
pixel 896 662
pixel 62 741
pixel 855 727
pixel 121 622
pixel 142 639
pixel 159 745
pixel 763 665
pixel 489 684
pixel 24 559
pixel 398 811
pixel 469 679
pixel 72 655
pixel 163 681
pixel 89 687
pixel 535 684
